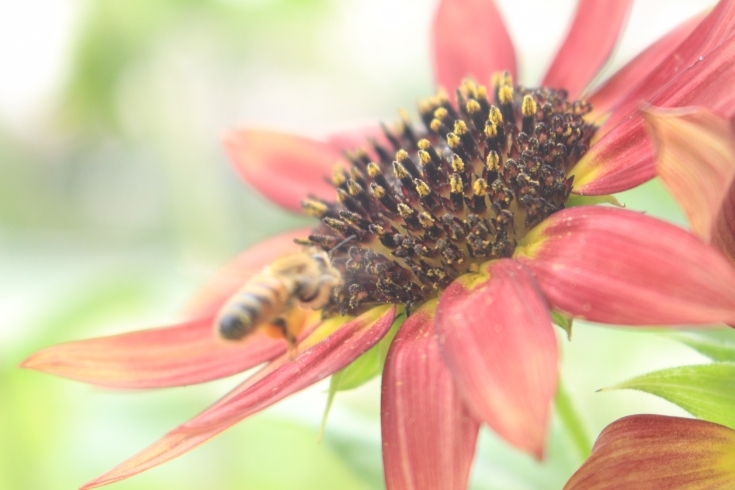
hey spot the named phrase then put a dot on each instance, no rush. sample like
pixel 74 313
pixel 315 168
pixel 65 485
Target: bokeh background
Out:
pixel 116 202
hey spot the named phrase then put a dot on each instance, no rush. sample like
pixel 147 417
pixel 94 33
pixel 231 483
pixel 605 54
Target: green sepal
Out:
pixel 575 200
pixel 718 345
pixel 563 321
pixel 706 391
pixel 362 369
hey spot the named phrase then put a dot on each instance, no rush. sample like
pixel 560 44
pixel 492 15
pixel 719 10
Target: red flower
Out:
pixel 480 349
pixel 653 451
pixel 701 176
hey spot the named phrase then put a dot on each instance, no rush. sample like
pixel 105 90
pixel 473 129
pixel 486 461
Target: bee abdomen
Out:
pixel 256 304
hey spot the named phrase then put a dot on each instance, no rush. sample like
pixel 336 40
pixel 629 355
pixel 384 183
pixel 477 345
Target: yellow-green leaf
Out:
pixel 718 345
pixel 706 391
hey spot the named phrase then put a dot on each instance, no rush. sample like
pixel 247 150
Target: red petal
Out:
pixel 428 435
pixel 285 168
pixel 588 45
pixel 642 452
pixel 182 354
pixel 616 266
pixel 696 161
pixel 470 40
pixel 625 157
pixel 619 85
pixel 723 235
pixel 226 281
pixel 713 31
pixel 277 381
pixel 495 333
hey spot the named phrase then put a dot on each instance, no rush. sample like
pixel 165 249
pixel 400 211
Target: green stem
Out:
pixel 572 421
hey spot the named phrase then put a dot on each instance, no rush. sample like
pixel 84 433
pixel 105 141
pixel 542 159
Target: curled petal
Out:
pixel 588 45
pixel 470 40
pixel 616 266
pixel 495 333
pixel 696 161
pixel 275 382
pixel 624 157
pixel 284 168
pixel 641 452
pixel 226 281
pixel 614 89
pixel 428 435
pixel 179 355
pixel 712 32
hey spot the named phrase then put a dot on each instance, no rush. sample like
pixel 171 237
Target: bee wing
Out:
pixel 226 282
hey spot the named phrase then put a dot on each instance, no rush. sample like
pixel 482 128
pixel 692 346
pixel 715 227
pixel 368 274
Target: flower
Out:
pixel 700 176
pixel 655 451
pixel 477 237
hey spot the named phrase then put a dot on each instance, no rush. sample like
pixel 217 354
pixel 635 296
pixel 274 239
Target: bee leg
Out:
pixel 282 325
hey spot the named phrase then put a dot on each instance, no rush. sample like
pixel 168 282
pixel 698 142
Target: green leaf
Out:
pixel 576 200
pixel 706 391
pixel 563 321
pixel 362 369
pixel 718 345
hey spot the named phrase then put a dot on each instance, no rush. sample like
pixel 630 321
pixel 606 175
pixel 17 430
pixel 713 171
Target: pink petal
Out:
pixel 226 281
pixel 696 161
pixel 470 40
pixel 284 168
pixel 495 333
pixel 428 435
pixel 277 381
pixel 643 452
pixel 713 31
pixel 588 45
pixel 615 88
pixel 723 236
pixel 179 355
pixel 616 266
pixel 624 157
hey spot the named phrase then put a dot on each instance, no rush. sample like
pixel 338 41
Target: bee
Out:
pixel 305 279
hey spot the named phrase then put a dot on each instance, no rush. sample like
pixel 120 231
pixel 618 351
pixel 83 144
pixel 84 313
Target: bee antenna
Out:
pixel 341 243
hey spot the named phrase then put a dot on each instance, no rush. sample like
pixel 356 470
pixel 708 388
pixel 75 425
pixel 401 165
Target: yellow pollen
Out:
pixel 496 79
pixel 507 79
pixel 455 183
pixel 404 210
pixel 479 187
pixel 440 113
pixel 491 130
pixel 423 144
pixel 495 116
pixel 460 127
pixel 453 141
pixel 505 94
pixel 354 188
pixel 470 87
pixel 442 96
pixel 373 169
pixel 528 107
pixel 422 188
pixel 378 191
pixel 403 113
pixel 401 155
pixel 314 208
pixel 426 220
pixel 435 125
pixel 567 132
pixel 457 164
pixel 424 157
pixel 492 162
pixel 342 196
pixel 472 106
pixel 338 175
pixel 481 92
pixel 399 170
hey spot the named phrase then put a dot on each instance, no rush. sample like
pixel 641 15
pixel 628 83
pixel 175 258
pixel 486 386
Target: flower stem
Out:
pixel 572 422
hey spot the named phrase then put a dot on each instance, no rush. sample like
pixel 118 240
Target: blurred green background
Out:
pixel 116 202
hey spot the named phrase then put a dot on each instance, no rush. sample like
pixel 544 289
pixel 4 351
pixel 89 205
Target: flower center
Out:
pixel 430 204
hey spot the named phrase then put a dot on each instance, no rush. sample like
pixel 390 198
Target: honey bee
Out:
pixel 305 279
